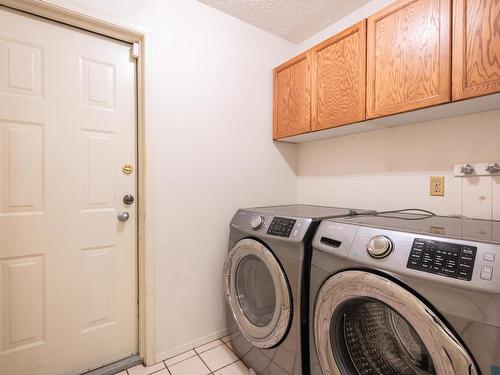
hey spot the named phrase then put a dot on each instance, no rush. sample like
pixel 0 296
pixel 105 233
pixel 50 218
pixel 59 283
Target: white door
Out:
pixel 68 273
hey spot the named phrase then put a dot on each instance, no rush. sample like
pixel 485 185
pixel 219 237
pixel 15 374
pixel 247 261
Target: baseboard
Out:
pixel 192 344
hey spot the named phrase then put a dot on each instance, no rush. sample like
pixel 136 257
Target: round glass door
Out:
pixel 255 290
pixel 376 339
pixel 258 293
pixel 365 323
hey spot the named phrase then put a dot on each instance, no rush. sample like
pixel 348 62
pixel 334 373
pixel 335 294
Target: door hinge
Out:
pixel 135 52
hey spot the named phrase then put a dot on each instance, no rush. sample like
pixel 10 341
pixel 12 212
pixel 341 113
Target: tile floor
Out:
pixel 214 358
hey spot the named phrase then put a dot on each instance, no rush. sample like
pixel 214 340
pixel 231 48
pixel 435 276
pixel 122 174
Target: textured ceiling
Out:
pixel 295 20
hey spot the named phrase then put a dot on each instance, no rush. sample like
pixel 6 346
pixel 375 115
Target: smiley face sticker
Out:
pixel 127 168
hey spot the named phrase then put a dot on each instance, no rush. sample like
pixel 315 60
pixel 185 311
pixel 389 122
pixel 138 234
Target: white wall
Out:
pixel 211 136
pixel 390 168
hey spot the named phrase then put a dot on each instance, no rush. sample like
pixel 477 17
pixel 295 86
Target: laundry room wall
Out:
pixel 210 132
pixel 390 168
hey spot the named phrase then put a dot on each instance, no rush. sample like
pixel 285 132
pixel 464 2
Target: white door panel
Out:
pixel 68 273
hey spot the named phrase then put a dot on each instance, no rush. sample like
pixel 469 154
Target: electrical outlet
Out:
pixel 437 185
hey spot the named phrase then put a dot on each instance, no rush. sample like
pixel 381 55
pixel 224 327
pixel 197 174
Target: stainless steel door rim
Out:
pixel 271 333
pixel 447 354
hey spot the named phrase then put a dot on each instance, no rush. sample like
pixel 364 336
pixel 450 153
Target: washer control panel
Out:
pixel 281 226
pixel 442 258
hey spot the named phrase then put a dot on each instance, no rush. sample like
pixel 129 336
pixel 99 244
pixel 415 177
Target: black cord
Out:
pixel 423 217
pixel 384 214
pixel 430 213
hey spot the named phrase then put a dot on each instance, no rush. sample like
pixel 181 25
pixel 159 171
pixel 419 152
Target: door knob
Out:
pixel 123 216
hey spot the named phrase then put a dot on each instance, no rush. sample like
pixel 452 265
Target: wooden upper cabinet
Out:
pixel 292 97
pixel 338 79
pixel 476 48
pixel 408 57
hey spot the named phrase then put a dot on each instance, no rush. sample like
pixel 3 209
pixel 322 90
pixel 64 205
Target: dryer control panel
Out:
pixel 442 258
pixel 266 226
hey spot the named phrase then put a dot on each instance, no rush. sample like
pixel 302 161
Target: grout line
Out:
pixel 149 373
pixel 213 347
pixel 179 355
pixel 229 364
pixel 232 351
pixel 185 359
pixel 159 369
pixel 209 369
pixel 152 373
pixel 196 354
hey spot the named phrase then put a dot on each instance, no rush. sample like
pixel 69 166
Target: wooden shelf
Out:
pixel 464 107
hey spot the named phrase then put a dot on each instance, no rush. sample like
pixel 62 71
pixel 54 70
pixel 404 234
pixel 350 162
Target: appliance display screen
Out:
pixel 442 258
pixel 281 226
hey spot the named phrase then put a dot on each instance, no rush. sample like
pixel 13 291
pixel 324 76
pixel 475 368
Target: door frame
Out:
pixel 97 24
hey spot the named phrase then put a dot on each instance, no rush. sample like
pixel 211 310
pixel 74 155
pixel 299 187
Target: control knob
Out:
pixel 379 247
pixel 257 222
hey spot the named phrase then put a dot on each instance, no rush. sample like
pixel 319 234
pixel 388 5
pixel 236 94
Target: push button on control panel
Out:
pixel 442 258
pixel 486 272
pixel 489 257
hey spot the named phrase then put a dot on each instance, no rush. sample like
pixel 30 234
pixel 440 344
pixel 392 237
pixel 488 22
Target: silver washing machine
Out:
pixel 405 294
pixel 264 274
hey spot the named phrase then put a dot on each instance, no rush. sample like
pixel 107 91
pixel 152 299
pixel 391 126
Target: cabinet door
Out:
pixel 476 48
pixel 338 79
pixel 408 57
pixel 292 97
